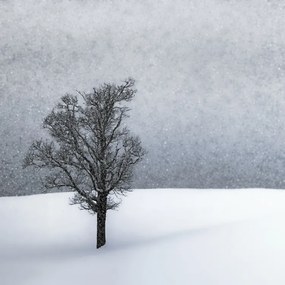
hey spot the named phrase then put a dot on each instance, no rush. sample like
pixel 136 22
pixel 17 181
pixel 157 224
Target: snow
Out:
pixel 158 236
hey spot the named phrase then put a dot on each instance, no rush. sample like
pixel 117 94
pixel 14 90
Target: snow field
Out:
pixel 157 236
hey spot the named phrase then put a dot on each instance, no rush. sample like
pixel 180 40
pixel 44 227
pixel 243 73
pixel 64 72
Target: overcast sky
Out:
pixel 209 73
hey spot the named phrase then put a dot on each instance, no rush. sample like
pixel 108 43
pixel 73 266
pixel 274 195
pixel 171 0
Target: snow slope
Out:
pixel 158 236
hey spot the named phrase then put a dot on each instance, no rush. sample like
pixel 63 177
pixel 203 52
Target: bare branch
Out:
pixel 89 151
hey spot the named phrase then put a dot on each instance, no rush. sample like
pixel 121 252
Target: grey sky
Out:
pixel 210 80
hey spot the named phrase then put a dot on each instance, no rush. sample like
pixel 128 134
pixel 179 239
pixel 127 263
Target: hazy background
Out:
pixel 210 79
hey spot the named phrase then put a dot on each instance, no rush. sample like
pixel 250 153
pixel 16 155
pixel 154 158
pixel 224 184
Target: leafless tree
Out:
pixel 90 152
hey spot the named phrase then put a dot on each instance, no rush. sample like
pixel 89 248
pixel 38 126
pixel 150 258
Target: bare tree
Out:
pixel 90 152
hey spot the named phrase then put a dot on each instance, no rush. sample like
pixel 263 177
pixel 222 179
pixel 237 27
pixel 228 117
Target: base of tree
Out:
pixel 100 244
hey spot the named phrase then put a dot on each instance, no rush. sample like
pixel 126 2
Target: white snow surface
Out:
pixel 158 236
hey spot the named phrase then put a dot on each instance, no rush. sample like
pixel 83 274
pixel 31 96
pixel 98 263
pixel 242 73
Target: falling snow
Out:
pixel 210 80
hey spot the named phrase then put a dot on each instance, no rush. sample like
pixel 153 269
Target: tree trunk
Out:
pixel 101 219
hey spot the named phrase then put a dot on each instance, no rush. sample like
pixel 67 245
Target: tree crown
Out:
pixel 89 150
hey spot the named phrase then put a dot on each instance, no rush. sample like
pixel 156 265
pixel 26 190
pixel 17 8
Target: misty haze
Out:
pixel 209 75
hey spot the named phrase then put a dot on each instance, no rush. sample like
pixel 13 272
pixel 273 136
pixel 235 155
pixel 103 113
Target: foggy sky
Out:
pixel 209 74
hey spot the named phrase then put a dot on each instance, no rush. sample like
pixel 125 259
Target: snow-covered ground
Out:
pixel 158 236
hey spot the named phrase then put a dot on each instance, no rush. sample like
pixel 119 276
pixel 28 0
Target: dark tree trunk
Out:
pixel 101 219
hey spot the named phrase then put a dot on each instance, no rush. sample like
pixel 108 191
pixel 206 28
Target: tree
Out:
pixel 90 152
